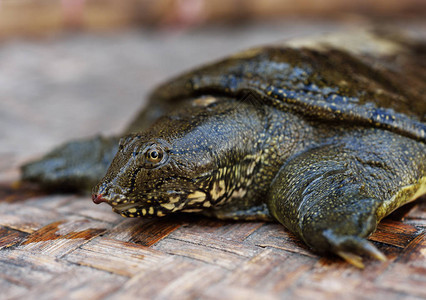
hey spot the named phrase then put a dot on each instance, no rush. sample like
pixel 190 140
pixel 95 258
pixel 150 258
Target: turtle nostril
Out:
pixel 97 198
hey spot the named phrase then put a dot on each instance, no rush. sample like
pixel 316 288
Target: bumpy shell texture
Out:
pixel 376 82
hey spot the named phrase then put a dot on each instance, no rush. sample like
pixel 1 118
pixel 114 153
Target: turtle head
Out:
pixel 151 177
pixel 164 169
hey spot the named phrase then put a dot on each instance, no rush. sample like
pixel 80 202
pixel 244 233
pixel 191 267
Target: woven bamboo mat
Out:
pixel 63 246
pixel 60 246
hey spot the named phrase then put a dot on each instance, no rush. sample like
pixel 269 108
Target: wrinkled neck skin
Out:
pixel 206 157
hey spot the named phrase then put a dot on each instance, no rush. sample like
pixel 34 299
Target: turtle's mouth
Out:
pixel 134 208
pixel 149 208
pixel 119 203
pixel 115 200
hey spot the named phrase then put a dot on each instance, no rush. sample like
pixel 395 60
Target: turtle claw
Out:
pixel 351 258
pixel 356 260
pixel 351 247
pixel 371 250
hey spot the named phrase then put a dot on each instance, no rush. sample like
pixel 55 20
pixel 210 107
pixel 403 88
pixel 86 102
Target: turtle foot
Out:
pixel 350 248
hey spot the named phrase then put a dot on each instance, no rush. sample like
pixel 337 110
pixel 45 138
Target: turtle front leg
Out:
pixel 73 166
pixel 334 196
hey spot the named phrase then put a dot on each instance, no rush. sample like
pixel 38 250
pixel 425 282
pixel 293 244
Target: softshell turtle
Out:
pixel 324 136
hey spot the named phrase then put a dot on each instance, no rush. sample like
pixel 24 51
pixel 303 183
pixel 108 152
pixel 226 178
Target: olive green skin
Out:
pixel 327 142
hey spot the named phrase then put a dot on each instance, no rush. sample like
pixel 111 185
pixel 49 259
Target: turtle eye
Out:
pixel 153 156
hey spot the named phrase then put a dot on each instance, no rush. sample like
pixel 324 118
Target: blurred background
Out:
pixel 42 17
pixel 75 68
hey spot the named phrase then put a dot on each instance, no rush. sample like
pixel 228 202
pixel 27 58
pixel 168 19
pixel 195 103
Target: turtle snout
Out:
pixel 108 193
pixel 98 198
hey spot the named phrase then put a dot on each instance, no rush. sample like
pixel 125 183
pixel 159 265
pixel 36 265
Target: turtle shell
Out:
pixel 367 79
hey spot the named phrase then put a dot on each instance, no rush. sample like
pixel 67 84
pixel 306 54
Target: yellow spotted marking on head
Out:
pixel 151 210
pixel 160 214
pixel 238 193
pixel 218 189
pixel 143 211
pixel 174 199
pixel 224 170
pixel 132 210
pixel 197 196
pixel 250 168
pixel 222 184
pixel 168 206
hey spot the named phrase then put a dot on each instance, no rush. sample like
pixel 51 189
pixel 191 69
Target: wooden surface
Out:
pixel 61 246
pixel 64 246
